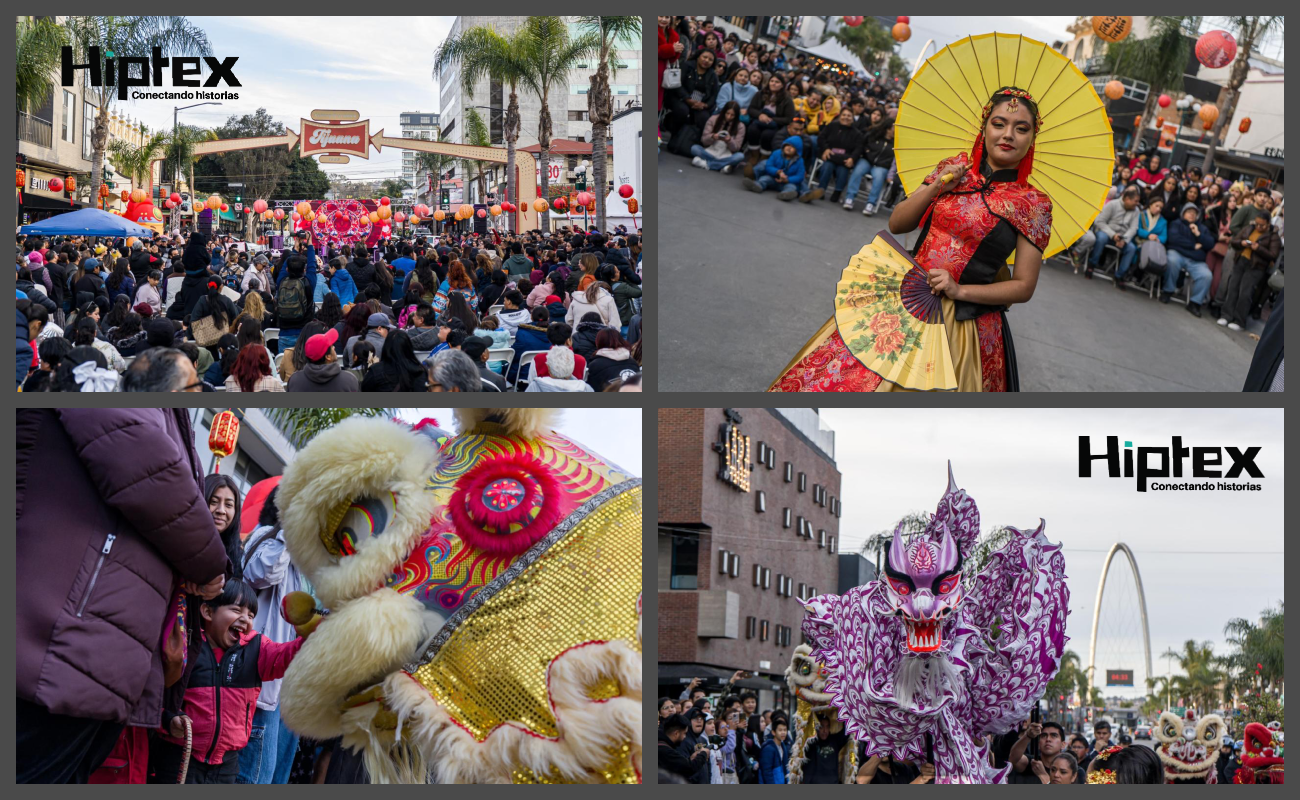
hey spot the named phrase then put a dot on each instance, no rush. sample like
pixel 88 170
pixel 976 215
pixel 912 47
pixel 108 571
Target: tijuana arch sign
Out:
pixel 342 133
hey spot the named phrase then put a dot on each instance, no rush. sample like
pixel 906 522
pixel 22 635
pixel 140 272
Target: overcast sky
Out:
pixel 615 434
pixel 1205 557
pixel 378 66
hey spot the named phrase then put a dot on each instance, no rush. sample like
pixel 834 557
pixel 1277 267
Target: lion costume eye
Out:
pixel 899 587
pixel 805 668
pixel 354 521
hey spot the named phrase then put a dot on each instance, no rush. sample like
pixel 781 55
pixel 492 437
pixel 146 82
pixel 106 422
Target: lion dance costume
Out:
pixel 924 663
pixel 1188 748
pixel 1263 755
pixel 806 680
pixel 484 597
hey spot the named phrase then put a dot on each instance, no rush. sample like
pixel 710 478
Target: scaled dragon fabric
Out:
pixel 969 660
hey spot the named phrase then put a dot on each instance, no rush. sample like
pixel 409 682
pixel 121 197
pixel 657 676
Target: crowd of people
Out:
pixel 722 737
pixel 785 123
pixel 461 312
pixel 1220 241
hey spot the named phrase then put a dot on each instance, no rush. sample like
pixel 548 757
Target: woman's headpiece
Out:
pixel 1015 95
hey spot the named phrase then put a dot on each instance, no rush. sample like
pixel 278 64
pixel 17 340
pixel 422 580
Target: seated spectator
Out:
pixel 490 329
pixel 584 335
pixel 447 329
pixel 83 369
pixel 84 335
pixel 840 146
pixel 783 171
pixel 1116 224
pixel 1151 227
pixel 161 369
pixel 1189 239
pixel 425 335
pixel 398 369
pixel 453 371
pixel 322 371
pixel 378 328
pixel 529 338
pixel 724 135
pixel 363 358
pixel 148 291
pixel 227 354
pixel 515 312
pixel 561 335
pixel 51 352
pixel 492 292
pixel 543 289
pixel 476 348
pixel 612 360
pixel 559 376
pixel 252 372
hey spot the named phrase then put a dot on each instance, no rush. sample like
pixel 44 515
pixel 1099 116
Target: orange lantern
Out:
pixel 130 240
pixel 414 220
pixel 1160 122
pixel 1244 126
pixel 384 212
pixel 223 437
pixel 1137 121
pixel 1114 90
pixel 266 215
pixel 1112 29
pixel 214 202
pixel 440 215
pixel 103 190
pixel 631 205
pixel 303 207
pixel 901 32
pixel 1208 125
pixel 125 195
pixel 373 216
pixel 138 195
pixel 1209 113
pixel 20 178
pixel 495 211
pixel 540 205
pixel 70 184
pixel 466 209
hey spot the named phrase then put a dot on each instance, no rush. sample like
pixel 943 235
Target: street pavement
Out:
pixel 746 279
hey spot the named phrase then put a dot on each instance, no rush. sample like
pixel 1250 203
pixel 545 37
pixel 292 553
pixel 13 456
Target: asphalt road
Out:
pixel 746 279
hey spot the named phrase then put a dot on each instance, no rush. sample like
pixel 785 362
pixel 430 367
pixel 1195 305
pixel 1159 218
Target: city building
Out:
pixel 748 521
pixel 261 451
pixel 417 125
pixel 624 84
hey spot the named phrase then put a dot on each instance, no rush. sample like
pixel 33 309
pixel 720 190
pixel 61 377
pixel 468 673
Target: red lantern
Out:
pixel 1244 126
pixel 1137 121
pixel 903 18
pixel 1208 125
pixel 20 178
pixel 55 185
pixel 70 184
pixel 225 208
pixel 248 209
pixel 853 22
pixel 223 437
pixel 259 205
pixel 559 204
pixel 399 217
pixel 482 213
pixel 625 191
pixel 1164 101
pixel 383 201
pixel 1216 49
pixel 279 213
pixel 631 205
pixel 176 198
pixel 901 32
pixel 125 195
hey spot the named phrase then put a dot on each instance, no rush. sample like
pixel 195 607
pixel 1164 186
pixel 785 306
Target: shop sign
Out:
pixel 347 139
pixel 39 182
pixel 732 448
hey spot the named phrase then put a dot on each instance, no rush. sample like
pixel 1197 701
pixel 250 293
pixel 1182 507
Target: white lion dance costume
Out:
pixel 806 680
pixel 484 597
pixel 924 663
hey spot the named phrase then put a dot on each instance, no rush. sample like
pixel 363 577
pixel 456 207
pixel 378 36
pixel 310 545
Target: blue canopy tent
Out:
pixel 87 222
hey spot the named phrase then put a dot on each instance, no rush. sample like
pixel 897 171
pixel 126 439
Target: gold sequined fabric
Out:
pixel 494 669
pixel 618 769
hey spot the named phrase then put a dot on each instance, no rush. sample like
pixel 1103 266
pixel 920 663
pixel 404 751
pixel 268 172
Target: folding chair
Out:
pixel 525 360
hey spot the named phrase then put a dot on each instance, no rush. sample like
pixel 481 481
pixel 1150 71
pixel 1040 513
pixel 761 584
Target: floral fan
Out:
pixel 890 321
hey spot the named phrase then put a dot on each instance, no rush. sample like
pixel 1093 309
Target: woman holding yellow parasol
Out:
pixel 935 319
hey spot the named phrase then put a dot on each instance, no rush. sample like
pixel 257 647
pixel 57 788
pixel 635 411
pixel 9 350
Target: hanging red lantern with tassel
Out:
pixel 20 178
pixel 1244 126
pixel 223 437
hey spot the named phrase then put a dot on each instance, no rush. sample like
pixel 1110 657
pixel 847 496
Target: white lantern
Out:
pixel 1196 108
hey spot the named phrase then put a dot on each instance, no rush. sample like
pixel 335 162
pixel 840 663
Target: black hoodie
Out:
pixel 361 270
pixel 584 338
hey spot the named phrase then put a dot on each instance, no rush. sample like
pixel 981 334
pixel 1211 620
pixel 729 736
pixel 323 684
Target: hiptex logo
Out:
pixel 1155 462
pixel 149 72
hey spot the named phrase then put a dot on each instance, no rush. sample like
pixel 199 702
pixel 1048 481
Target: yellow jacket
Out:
pixel 820 117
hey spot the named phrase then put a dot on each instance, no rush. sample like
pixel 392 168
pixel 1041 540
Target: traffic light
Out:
pixel 238 199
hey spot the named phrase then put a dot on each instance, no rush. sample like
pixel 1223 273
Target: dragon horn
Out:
pixel 947 548
pixel 952 482
pixel 897 555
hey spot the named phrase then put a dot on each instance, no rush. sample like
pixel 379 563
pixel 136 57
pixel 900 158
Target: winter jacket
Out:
pixel 148 294
pixel 110 515
pixel 667 54
pixel 263 277
pixel 384 378
pixel 362 271
pixel 442 298
pixel 792 167
pixel 540 384
pixel 141 263
pixel 1116 221
pixel 772 760
pixel 735 91
pixel 511 320
pixel 324 377
pixel 126 287
pixel 500 339
pixel 608 364
pixel 343 286
pixel 604 305
pixel 842 140
pixel 584 338
pixel 878 149
pixel 781 110
pixel 24 353
pixel 624 294
pixel 579 366
pixel 1160 228
pixel 490 295
pixel 268 569
pixel 671 759
pixel 706 85
pixel 37 295
pixel 529 337
pixel 1265 250
pixel 820 117
pixel 823 758
pixel 222 693
pixel 1183 241
pixel 539 293
pixel 711 128
pixel 517 266
pixel 90 284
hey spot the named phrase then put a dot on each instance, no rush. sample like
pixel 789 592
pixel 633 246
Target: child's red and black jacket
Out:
pixel 222 693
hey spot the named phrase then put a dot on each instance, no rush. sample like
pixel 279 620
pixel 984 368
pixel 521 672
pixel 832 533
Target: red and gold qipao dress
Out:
pixel 970 231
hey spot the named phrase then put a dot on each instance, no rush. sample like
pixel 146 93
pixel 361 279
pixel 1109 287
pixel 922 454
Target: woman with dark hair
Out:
pixel 496 287
pixel 724 135
pixel 353 324
pixel 85 333
pixel 363 357
pixel 227 353
pixel 398 369
pixel 331 311
pixel 129 338
pixel 121 307
pixel 216 305
pixel 224 500
pixel 611 361
pixel 121 281
pixel 1151 174
pixel 1131 764
pixel 963 248
pixel 458 308
pixel 252 371
pixel 769 111
pixel 384 277
pixel 295 358
pixel 83 369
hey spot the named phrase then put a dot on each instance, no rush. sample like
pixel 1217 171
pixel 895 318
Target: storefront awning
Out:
pixel 35 201
pixel 832 50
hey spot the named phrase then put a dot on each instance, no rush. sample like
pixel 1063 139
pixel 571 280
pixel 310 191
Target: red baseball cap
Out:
pixel 319 345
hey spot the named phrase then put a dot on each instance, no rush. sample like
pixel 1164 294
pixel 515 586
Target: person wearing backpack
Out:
pixel 293 303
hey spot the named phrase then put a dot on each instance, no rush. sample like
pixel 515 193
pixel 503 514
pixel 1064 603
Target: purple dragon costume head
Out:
pixel 924 663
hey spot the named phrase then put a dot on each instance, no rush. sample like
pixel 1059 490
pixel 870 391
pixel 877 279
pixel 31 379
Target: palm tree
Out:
pixel 482 52
pixel 37 47
pixel 1250 32
pixel 600 103
pixel 181 156
pixel 1160 59
pixel 435 164
pixel 300 425
pixel 551 55
pixel 136 161
pixel 122 37
pixel 1257 648
pixel 476 133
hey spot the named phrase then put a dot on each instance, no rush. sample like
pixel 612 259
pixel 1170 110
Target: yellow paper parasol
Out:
pixel 890 321
pixel 1074 152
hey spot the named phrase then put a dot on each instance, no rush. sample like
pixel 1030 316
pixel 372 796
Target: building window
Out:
pixel 767 578
pixel 758 575
pixel 799 530
pixel 803 587
pixel 787 517
pixel 686 558
pixel 763 630
pixel 821 538
pixel 762 452
pixel 789 472
pixel 760 501
pixel 88 112
pixel 771 458
pixel 69 116
pixel 803 481
pixel 751 627
pixel 735 565
pixel 831 542
pixel 577 116
pixel 724 561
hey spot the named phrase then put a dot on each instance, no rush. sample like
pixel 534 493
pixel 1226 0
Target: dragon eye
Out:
pixel 948 584
pixel 899 587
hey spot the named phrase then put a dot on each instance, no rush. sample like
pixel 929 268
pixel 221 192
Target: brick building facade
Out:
pixel 748 518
